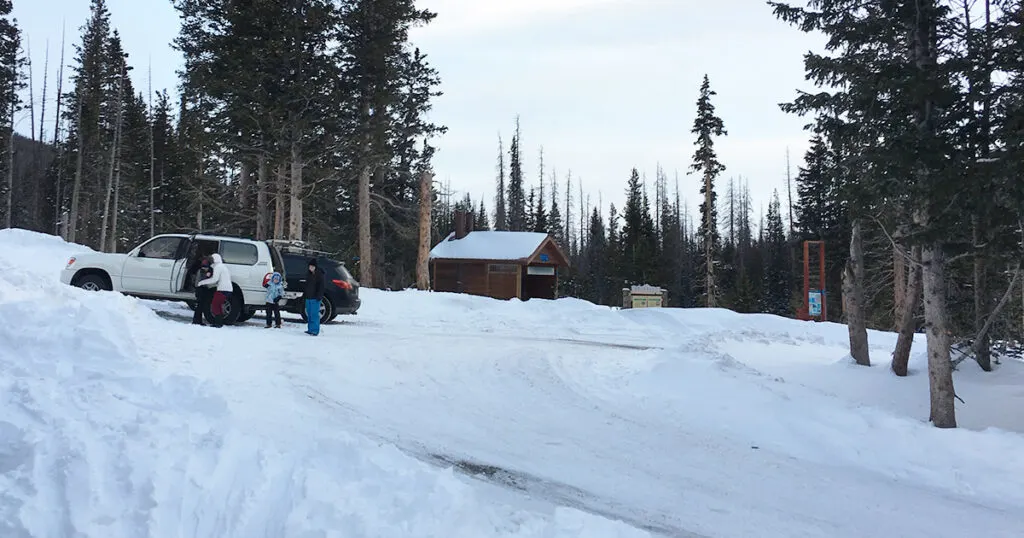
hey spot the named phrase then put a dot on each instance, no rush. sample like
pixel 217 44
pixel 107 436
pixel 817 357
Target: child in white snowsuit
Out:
pixel 275 292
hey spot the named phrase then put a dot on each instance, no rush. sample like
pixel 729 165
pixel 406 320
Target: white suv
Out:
pixel 165 266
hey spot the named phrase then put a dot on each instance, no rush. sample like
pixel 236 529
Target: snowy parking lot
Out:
pixel 448 415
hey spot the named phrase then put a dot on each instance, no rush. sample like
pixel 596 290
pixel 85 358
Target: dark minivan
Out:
pixel 341 293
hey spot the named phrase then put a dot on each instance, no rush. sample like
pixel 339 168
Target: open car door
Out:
pixel 185 259
pixel 148 268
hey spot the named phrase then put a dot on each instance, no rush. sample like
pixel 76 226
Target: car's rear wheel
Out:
pixel 326 311
pixel 93 283
pixel 233 309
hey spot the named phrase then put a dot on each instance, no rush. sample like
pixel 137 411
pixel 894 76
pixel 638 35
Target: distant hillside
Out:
pixel 33 192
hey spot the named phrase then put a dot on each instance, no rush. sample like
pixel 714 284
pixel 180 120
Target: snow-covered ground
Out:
pixel 118 419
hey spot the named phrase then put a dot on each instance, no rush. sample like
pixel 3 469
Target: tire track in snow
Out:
pixel 432 450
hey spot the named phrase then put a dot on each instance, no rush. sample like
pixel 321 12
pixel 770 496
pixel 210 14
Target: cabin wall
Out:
pixel 500 280
pixel 456 277
pixel 503 280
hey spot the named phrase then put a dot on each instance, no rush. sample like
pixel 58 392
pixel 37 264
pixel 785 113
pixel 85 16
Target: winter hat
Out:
pixel 312 261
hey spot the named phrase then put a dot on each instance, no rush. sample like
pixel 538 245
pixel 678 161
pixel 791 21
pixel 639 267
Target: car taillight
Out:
pixel 71 261
pixel 342 284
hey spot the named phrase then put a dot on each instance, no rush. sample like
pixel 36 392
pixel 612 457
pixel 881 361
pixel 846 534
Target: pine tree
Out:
pixel 615 250
pixel 820 207
pixel 516 199
pixel 671 246
pixel 540 211
pixel 87 141
pixel 638 241
pixel 555 227
pixel 531 215
pixel 595 261
pixel 11 82
pixel 170 197
pixel 481 218
pixel 776 276
pixel 500 211
pixel 706 126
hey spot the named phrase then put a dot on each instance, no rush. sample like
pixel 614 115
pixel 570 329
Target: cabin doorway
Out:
pixel 540 282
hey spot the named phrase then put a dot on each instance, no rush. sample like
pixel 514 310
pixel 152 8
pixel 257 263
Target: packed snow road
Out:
pixel 679 439
pixel 677 423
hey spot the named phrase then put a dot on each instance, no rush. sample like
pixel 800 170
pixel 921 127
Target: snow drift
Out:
pixel 94 441
pixel 117 418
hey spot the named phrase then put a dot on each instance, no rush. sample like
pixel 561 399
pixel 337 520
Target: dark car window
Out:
pixel 161 248
pixel 340 271
pixel 275 258
pixel 295 266
pixel 237 253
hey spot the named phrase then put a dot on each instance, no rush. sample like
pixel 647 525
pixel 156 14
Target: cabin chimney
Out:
pixel 469 221
pixel 460 224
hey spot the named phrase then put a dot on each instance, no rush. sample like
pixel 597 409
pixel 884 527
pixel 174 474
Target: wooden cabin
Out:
pixel 498 264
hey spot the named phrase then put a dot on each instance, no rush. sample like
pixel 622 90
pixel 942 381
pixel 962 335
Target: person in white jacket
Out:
pixel 221 277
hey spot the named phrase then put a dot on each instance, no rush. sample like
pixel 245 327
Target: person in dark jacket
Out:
pixel 204 294
pixel 313 295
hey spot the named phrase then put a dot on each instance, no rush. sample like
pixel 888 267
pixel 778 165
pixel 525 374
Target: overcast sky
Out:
pixel 602 85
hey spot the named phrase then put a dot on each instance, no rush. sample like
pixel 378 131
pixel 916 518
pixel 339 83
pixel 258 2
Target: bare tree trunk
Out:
pixel 152 159
pixel 568 213
pixel 789 193
pixel 423 253
pixel 9 215
pixel 113 162
pixel 910 301
pixel 76 190
pixel 31 96
pixel 279 203
pixel 899 285
pixel 244 184
pixel 58 203
pixel 709 250
pixel 295 209
pixel 200 193
pixel 58 197
pixel 262 207
pixel 982 337
pixel 117 197
pixel 42 102
pixel 982 345
pixel 365 253
pixel 583 215
pixel 923 53
pixel 853 290
pixel 940 367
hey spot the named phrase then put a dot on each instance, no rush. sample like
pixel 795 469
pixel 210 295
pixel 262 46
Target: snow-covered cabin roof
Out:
pixel 489 245
pixel 646 289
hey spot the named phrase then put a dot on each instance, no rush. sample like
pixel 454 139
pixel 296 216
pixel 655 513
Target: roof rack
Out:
pixel 291 245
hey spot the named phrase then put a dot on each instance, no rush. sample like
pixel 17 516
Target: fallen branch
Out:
pixel 1003 301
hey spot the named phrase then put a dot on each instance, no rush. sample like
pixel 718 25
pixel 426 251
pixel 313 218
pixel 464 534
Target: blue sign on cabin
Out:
pixel 543 257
